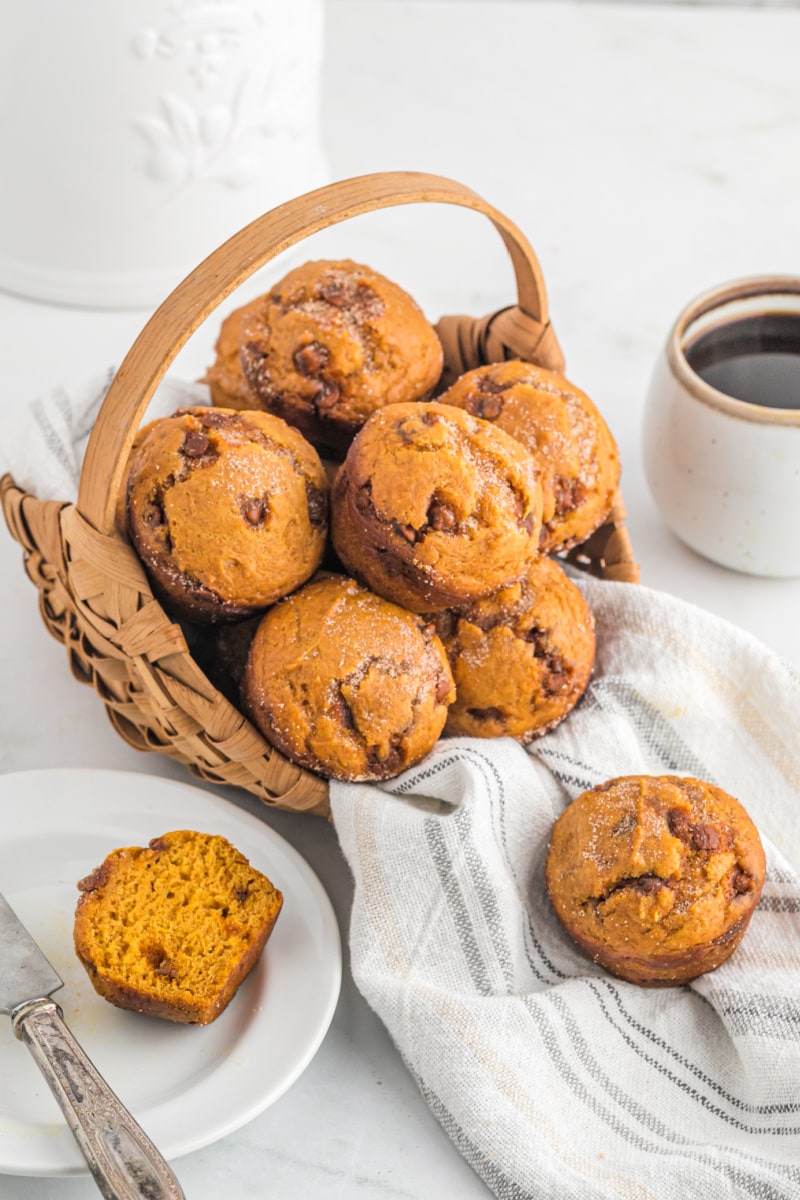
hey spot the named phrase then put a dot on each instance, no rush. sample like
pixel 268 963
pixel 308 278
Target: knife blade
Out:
pixel 25 973
pixel 123 1161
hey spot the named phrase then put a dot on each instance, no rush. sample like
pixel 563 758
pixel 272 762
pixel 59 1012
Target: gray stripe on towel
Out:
pixel 759 1015
pixel 654 729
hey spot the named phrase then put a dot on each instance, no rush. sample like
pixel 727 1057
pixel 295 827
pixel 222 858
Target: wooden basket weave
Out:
pixel 94 594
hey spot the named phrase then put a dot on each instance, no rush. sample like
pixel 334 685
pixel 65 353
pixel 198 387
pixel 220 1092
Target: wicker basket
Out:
pixel 94 594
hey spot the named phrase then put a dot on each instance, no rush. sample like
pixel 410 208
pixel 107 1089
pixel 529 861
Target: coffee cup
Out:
pixel 721 433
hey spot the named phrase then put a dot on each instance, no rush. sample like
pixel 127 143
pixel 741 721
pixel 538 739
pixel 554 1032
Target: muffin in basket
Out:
pixel 328 345
pixel 345 683
pixel 226 378
pixel 434 508
pixel 228 511
pixel 172 929
pixel 561 427
pixel 655 877
pixel 521 658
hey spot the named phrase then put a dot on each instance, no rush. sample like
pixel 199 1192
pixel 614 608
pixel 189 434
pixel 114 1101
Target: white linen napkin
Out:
pixel 44 441
pixel 554 1079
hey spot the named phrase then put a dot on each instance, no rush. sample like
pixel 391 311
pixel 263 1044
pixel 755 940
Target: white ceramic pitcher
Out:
pixel 136 137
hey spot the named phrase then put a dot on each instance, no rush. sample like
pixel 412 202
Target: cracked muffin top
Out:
pixel 345 683
pixel 655 877
pixel 434 508
pixel 521 658
pixel 228 511
pixel 330 343
pixel 573 447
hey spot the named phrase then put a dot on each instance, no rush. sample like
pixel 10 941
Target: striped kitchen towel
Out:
pixel 44 441
pixel 555 1080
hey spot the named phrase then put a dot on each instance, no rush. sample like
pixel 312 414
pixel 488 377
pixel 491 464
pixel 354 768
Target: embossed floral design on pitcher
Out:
pixel 177 122
pixel 206 33
pixel 226 141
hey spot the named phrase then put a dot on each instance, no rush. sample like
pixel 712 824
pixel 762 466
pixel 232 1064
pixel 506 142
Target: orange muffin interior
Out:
pixel 173 929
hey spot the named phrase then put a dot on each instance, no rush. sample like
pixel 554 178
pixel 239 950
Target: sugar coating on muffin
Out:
pixel 521 658
pixel 346 683
pixel 228 511
pixel 330 343
pixel 655 877
pixel 433 508
pixel 562 429
pixel 173 928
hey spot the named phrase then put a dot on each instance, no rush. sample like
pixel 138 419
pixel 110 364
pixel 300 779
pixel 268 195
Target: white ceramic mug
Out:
pixel 136 137
pixel 725 471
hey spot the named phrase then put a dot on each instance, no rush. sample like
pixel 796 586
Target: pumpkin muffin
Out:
pixel 563 430
pixel 121 508
pixel 173 929
pixel 328 345
pixel 655 877
pixel 226 379
pixel 521 658
pixel 228 511
pixel 347 684
pixel 434 508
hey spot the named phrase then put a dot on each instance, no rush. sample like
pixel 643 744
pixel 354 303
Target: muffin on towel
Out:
pixel 655 877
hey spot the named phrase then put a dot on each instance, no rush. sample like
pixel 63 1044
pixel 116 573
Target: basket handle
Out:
pixel 173 323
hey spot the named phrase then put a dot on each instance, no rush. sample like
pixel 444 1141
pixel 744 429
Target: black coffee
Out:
pixel 755 359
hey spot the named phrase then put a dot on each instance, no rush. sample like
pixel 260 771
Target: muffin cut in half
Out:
pixel 173 929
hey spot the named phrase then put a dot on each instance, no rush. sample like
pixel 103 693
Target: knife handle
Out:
pixel 124 1162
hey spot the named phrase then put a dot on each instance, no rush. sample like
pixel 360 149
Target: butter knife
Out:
pixel 124 1162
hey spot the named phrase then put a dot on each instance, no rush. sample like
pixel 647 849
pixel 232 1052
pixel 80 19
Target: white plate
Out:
pixel 186 1085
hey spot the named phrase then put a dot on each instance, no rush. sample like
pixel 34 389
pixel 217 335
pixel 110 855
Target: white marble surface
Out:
pixel 648 153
